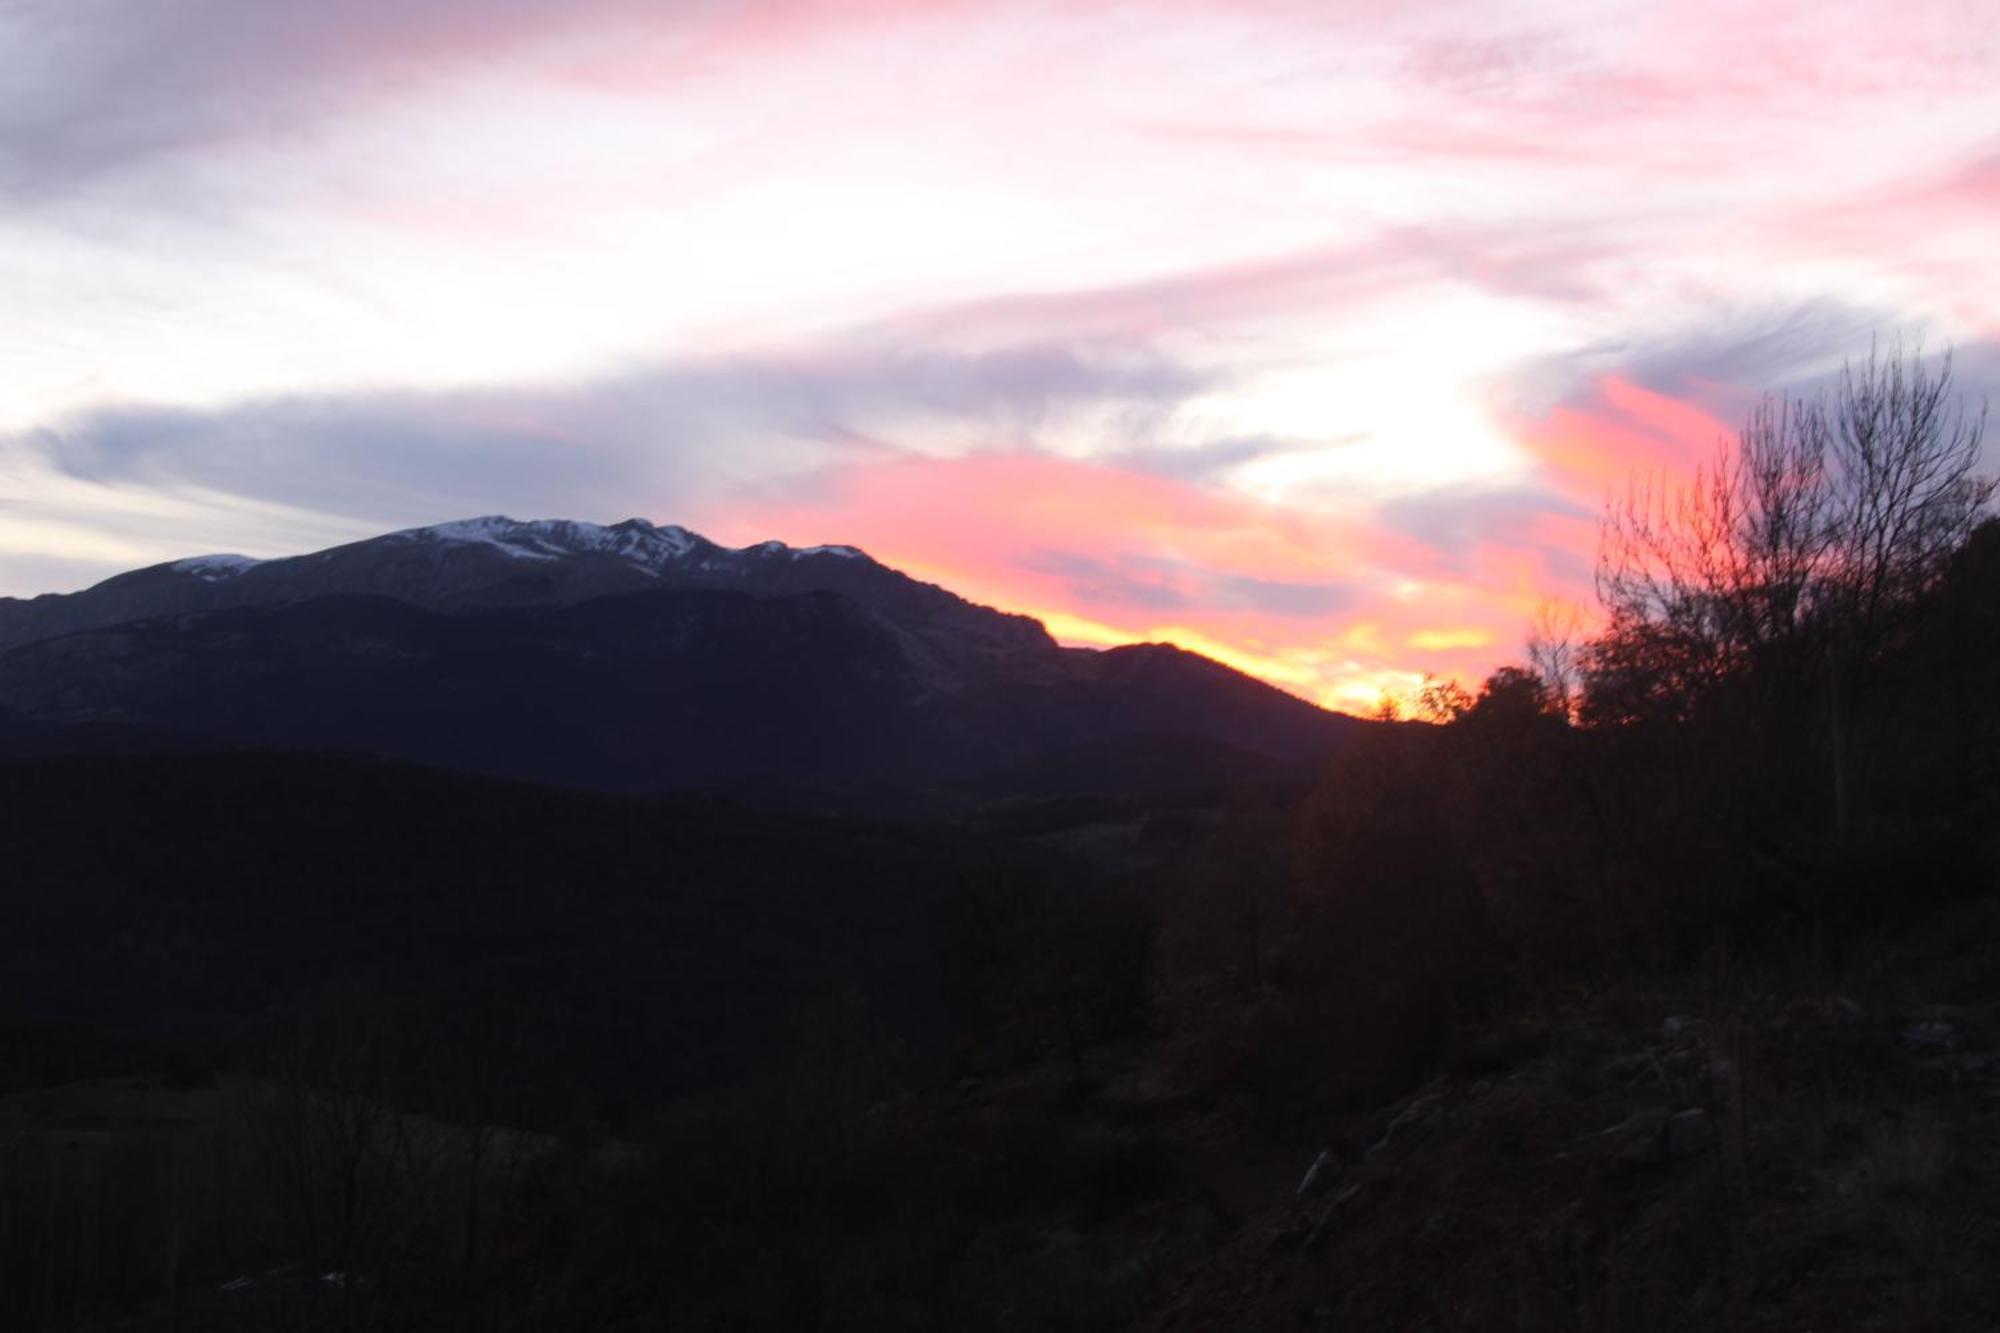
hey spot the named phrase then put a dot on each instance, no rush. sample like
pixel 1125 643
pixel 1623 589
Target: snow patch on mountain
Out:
pixel 214 568
pixel 525 541
pixel 638 542
pixel 780 551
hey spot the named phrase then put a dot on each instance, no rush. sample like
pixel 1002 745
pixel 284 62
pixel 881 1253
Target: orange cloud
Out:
pixel 1440 640
pixel 982 519
pixel 1337 608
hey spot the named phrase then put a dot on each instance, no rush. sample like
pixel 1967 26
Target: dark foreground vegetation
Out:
pixel 1647 986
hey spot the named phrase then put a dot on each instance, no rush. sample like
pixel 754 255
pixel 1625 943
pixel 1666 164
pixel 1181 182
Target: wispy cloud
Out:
pixel 673 440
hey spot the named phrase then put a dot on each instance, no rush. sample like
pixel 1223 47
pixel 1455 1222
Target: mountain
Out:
pixel 630 657
pixel 498 561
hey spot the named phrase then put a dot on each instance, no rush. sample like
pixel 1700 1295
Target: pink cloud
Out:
pixel 990 512
pixel 1215 572
pixel 1617 429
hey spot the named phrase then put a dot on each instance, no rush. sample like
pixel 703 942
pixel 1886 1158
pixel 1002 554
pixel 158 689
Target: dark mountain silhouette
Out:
pixel 633 658
pixel 498 561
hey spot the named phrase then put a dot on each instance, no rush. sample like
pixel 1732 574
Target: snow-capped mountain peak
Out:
pixel 636 541
pixel 214 568
pixel 491 561
pixel 645 545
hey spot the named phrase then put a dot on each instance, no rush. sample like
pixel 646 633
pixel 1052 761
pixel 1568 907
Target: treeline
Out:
pixel 481 1050
pixel 1785 731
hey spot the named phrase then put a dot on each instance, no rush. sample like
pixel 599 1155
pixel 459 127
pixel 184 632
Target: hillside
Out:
pixel 632 658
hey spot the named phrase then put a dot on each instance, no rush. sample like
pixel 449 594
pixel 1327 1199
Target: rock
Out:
pixel 1319 1176
pixel 1627 1067
pixel 1413 1122
pixel 1635 1138
pixel 1952 1069
pixel 1937 1036
pixel 1688 1134
pixel 1324 1225
pixel 1819 1011
pixel 1286 1237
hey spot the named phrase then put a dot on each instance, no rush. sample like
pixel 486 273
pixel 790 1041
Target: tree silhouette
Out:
pixel 1782 575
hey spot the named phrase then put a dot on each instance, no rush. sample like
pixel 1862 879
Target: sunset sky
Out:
pixel 1308 335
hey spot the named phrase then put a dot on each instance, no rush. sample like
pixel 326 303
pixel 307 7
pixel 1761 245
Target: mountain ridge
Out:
pixel 500 561
pixel 631 657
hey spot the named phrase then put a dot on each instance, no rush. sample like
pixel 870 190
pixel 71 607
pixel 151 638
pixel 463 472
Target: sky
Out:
pixel 1311 336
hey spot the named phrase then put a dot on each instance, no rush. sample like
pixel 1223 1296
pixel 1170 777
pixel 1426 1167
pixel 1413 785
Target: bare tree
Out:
pixel 1553 643
pixel 1800 554
pixel 1728 562
pixel 1442 701
pixel 1907 448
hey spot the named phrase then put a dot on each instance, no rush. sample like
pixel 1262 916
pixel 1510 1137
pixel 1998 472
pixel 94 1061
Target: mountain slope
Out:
pixel 498 561
pixel 633 658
